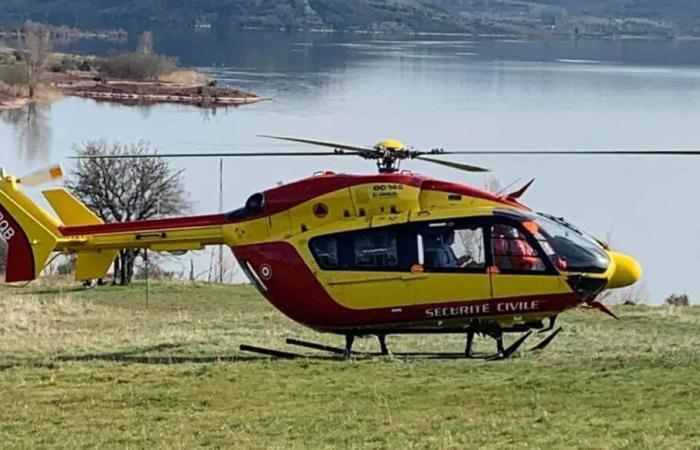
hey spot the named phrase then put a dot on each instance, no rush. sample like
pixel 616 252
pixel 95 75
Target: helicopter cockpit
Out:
pixel 567 247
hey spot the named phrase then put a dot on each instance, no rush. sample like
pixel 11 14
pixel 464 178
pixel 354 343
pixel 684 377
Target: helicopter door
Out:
pixel 453 257
pixel 366 269
pixel 518 267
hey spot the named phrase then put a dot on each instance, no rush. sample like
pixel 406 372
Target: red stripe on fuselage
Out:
pixel 293 289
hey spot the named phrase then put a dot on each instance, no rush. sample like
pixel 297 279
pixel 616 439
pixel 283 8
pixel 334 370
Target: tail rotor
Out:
pixel 42 176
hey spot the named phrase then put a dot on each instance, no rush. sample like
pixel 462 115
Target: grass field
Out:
pixel 100 368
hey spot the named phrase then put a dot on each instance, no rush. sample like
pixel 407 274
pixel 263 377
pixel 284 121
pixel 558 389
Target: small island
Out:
pixel 185 87
pixel 33 72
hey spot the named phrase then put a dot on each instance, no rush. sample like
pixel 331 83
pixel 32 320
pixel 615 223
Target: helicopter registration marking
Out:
pixel 484 308
pixel 386 190
pixel 6 230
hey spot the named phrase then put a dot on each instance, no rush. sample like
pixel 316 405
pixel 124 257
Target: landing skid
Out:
pixel 339 353
pixel 546 341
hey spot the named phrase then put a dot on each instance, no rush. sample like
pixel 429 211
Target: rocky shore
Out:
pixel 191 89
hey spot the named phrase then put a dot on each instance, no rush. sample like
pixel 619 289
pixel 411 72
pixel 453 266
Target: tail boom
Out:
pixel 33 234
pixel 98 249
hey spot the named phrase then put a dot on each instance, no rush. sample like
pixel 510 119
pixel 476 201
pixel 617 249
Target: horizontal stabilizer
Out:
pixel 70 210
pixel 92 264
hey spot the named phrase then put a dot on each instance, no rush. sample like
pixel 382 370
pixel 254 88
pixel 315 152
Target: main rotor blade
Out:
pixel 570 152
pixel 209 155
pixel 454 165
pixel 353 148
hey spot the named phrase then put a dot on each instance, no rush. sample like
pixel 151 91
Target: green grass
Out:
pixel 98 368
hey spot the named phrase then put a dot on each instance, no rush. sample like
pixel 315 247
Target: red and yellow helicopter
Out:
pixel 357 255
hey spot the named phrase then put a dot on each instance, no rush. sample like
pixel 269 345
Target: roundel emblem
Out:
pixel 265 271
pixel 320 210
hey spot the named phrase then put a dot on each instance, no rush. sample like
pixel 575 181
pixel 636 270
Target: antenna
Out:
pixel 221 210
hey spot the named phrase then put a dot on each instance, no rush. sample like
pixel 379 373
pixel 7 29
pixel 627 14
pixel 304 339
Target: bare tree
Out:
pixel 36 43
pixel 127 190
pixel 146 43
pixel 492 184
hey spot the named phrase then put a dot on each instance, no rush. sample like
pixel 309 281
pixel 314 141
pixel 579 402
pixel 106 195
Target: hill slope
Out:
pixel 473 16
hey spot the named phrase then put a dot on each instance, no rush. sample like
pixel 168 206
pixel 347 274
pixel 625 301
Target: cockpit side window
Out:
pixel 511 251
pixel 450 247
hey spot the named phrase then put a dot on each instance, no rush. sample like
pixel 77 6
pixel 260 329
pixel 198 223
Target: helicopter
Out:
pixel 380 254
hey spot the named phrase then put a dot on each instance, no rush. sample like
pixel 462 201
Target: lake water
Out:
pixel 430 92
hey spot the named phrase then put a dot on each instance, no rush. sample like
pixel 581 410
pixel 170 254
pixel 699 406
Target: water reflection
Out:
pixel 32 131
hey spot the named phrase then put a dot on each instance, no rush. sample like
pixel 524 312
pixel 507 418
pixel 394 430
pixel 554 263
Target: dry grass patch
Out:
pixel 186 78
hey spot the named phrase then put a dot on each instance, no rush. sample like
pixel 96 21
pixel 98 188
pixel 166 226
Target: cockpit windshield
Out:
pixel 567 247
pixel 567 224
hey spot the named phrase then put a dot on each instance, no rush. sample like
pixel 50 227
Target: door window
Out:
pixel 512 252
pixel 325 250
pixel 376 250
pixel 390 249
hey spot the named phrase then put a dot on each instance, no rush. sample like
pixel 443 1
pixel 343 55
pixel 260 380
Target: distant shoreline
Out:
pixel 178 86
pixel 484 36
pixel 63 33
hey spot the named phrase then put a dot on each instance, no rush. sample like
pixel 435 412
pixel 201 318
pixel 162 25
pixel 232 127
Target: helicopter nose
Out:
pixel 627 271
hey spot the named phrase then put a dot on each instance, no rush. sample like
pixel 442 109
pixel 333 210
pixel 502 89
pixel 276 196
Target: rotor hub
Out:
pixel 390 152
pixel 391 146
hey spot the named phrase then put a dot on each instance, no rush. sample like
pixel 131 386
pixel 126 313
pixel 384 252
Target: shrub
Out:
pixel 678 300
pixel 85 66
pixel 7 58
pixel 14 90
pixel 137 66
pixel 14 75
pixel 64 65
pixel 66 266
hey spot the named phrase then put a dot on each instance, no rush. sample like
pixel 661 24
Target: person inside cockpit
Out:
pixel 440 253
pixel 444 255
pixel 511 250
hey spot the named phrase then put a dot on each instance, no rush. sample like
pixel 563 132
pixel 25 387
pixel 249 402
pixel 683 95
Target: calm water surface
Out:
pixel 452 93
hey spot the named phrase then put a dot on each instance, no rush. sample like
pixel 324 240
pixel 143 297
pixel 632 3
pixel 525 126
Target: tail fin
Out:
pixel 30 231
